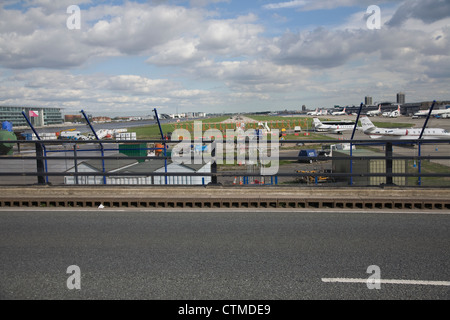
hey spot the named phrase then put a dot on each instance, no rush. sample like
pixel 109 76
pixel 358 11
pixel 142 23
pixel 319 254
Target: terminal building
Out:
pixel 39 117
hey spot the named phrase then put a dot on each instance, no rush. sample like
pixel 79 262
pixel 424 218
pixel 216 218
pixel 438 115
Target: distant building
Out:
pixel 101 119
pixel 401 98
pixel 38 116
pixel 73 118
pixel 368 101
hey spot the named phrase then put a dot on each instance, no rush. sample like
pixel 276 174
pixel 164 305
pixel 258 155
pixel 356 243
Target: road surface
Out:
pixel 222 255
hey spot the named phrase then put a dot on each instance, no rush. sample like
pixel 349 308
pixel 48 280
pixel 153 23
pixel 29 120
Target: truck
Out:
pixel 71 135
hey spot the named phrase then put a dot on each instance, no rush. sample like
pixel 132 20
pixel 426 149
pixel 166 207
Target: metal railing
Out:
pixel 39 155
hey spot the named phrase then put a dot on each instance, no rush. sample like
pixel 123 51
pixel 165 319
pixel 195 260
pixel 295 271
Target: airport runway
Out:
pixel 223 255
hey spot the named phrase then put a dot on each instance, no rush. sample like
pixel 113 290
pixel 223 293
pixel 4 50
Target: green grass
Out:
pixel 215 120
pixel 428 168
pixel 293 121
pixel 152 132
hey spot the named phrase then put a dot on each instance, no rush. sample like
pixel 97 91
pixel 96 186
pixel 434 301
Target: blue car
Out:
pixel 311 154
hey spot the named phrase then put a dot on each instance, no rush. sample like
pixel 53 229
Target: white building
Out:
pixel 130 167
pixel 96 166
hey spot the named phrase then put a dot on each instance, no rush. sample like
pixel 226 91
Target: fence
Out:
pixel 411 163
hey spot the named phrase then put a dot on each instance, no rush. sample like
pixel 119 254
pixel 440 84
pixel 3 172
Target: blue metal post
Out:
pixel 421 137
pixel 427 120
pixel 39 138
pixel 102 149
pixel 165 148
pixel 351 144
pixel 420 163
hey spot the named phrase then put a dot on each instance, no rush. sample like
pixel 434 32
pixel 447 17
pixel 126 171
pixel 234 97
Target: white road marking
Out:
pixel 382 281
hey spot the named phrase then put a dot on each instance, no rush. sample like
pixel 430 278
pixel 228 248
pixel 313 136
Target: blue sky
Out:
pixel 220 55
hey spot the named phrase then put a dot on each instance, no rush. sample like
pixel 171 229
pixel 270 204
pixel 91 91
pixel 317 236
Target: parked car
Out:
pixel 309 155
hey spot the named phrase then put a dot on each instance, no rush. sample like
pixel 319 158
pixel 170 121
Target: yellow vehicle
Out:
pixel 312 179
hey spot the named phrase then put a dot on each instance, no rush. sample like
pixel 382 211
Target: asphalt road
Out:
pixel 222 255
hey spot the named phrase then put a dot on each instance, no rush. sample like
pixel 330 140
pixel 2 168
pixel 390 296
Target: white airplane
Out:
pixel 401 134
pixel 396 113
pixel 334 128
pixel 439 112
pixel 313 113
pixel 374 113
pixel 340 113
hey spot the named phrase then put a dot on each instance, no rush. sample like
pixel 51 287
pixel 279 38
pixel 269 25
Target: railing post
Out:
pixel 40 165
pixel 75 154
pixel 389 162
pixel 214 180
pixel 420 164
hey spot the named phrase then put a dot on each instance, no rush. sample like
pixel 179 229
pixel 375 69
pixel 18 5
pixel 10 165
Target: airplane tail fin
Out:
pixel 317 122
pixel 367 125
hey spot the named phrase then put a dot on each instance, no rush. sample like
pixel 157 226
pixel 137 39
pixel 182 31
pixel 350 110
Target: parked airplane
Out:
pixel 340 113
pixel 374 113
pixel 401 134
pixel 439 112
pixel 313 113
pixel 334 128
pixel 395 114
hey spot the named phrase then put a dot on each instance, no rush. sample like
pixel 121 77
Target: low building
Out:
pixel 96 166
pixel 369 166
pixel 158 166
pixel 101 119
pixel 129 167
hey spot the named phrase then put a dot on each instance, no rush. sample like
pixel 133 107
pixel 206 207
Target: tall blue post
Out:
pixel 351 143
pixel 421 137
pixel 420 163
pixel 164 139
pixel 427 120
pixel 39 149
pixel 102 149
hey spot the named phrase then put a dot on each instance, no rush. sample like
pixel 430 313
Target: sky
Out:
pixel 216 56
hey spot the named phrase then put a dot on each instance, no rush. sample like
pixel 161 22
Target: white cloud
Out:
pixel 222 61
pixel 309 5
pixel 284 5
pixel 176 52
pixel 203 3
pixel 140 28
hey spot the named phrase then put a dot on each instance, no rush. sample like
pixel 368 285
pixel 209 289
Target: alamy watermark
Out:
pixel 74 20
pixel 373 15
pixel 74 281
pixel 251 147
pixel 374 281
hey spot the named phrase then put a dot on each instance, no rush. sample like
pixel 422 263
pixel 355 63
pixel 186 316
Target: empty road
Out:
pixel 223 255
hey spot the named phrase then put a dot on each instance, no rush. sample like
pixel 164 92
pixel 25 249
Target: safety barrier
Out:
pixel 40 153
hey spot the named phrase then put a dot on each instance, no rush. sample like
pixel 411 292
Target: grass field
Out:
pixel 428 168
pixel 393 125
pixel 152 132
